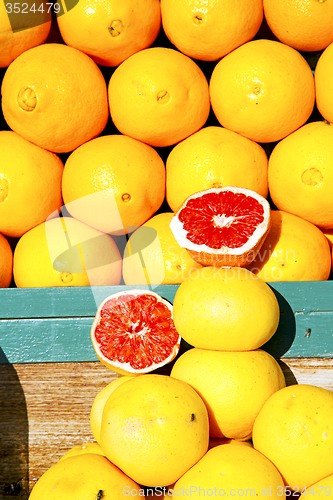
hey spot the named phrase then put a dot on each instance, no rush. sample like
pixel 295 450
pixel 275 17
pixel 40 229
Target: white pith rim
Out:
pixel 126 366
pixel 180 233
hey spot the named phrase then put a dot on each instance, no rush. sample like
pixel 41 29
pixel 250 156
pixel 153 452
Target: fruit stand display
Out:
pixel 50 373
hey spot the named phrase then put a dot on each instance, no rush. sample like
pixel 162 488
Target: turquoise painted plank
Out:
pixel 53 325
pixel 306 320
pixel 46 302
pixel 68 339
pixel 60 302
pixel 46 340
pixel 306 297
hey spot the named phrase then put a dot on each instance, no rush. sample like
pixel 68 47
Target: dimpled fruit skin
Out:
pixel 233 385
pixel 159 433
pixel 55 96
pixel 225 309
pixel 294 250
pixel 158 96
pixel 98 405
pixel 323 77
pixel 117 28
pixel 300 173
pixel 294 431
pixel 82 449
pixel 214 157
pixel 305 25
pixel 88 475
pixel 211 30
pixel 263 90
pixel 30 184
pixel 231 470
pixel 113 183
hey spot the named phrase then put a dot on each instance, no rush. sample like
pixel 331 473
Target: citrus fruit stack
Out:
pixel 232 374
pixel 144 105
pixel 189 431
pixel 153 440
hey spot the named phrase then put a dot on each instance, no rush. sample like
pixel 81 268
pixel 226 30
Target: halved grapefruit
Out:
pixel 222 226
pixel 133 332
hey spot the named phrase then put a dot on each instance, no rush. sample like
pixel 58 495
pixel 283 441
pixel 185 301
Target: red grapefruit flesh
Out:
pixel 222 226
pixel 133 332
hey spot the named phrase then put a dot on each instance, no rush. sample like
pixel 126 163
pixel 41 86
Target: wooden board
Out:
pixel 53 324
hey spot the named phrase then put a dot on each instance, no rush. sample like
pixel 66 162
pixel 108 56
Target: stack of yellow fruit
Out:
pixel 223 423
pixel 211 312
pixel 116 111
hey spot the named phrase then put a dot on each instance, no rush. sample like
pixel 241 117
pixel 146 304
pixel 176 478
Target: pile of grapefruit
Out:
pixel 176 142
pixel 220 422
pixel 120 117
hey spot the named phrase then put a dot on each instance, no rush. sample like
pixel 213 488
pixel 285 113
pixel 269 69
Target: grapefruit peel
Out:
pixel 222 214
pixel 139 336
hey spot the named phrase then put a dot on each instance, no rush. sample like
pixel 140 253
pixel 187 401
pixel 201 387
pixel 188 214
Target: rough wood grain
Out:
pixel 45 410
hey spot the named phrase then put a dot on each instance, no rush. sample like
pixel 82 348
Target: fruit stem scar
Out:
pixel 198 19
pixel 312 177
pixel 163 96
pixel 66 277
pixel 27 99
pixel 126 197
pixel 4 184
pixel 116 27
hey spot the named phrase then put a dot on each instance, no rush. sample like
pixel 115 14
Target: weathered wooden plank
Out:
pixel 61 302
pixel 58 328
pixel 68 339
pixel 306 297
pixel 45 410
pixel 46 302
pixel 312 371
pixel 46 340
